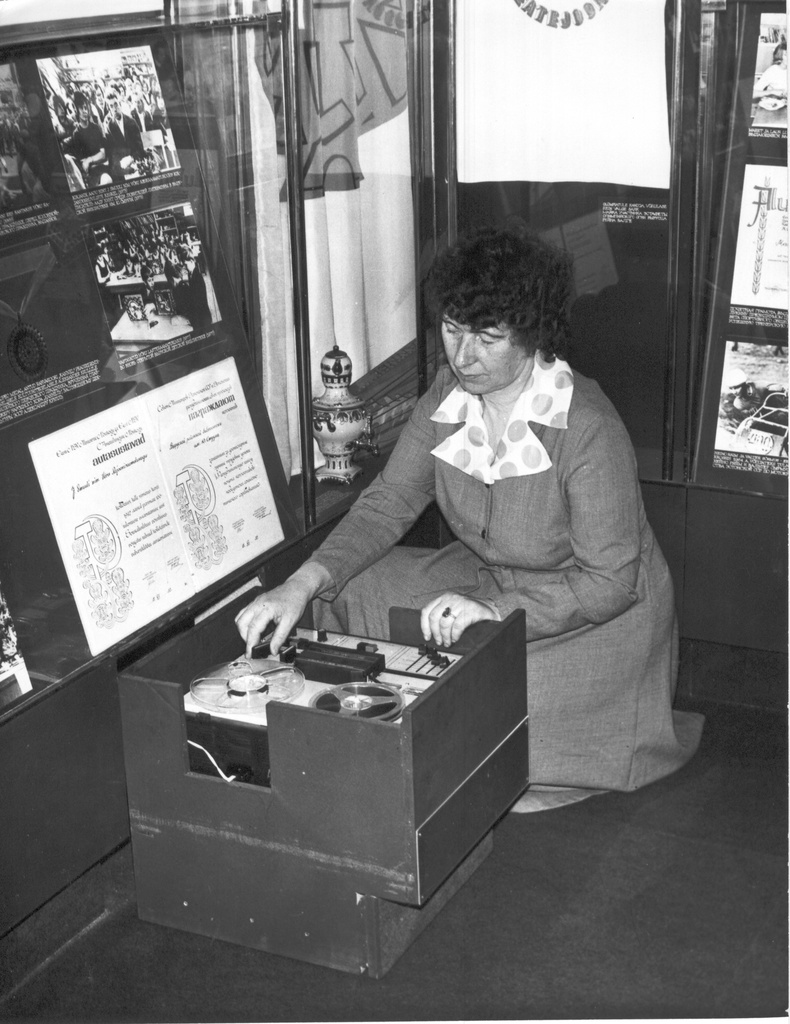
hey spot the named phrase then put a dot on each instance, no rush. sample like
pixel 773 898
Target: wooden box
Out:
pixel 368 826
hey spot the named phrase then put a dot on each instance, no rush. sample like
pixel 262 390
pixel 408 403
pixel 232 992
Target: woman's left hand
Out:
pixel 445 618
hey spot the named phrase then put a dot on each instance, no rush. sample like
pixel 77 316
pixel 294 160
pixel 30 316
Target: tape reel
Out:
pixel 360 700
pixel 246 685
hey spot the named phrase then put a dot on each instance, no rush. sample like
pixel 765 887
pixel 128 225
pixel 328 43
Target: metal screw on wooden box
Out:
pixel 341 426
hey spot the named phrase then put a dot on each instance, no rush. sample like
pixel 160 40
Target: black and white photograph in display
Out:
pixel 152 274
pixel 752 429
pixel 109 116
pixel 769 96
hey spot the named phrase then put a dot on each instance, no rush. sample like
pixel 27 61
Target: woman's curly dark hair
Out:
pixel 500 278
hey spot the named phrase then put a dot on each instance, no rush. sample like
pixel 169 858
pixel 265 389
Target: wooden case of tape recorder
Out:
pixel 330 821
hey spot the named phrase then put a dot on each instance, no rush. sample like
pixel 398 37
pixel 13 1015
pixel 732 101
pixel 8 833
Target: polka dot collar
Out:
pixel 545 399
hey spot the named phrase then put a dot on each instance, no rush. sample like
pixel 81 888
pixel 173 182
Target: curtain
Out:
pixel 357 184
pixel 358 192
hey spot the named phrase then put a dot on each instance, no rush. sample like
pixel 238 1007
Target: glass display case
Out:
pixel 207 277
pixel 736 513
pixel 203 183
pixel 126 365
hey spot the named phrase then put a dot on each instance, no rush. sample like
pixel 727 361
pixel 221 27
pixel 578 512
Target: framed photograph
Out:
pixel 134 306
pixel 164 303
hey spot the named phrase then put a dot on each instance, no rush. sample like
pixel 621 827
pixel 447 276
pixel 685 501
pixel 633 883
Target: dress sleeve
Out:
pixel 598 581
pixel 389 506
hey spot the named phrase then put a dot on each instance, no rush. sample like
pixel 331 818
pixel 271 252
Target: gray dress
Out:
pixel 573 548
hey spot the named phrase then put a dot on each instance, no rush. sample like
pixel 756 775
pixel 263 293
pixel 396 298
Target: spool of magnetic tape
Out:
pixel 246 686
pixel 360 700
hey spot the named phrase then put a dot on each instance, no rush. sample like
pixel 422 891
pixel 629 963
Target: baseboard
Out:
pixel 733 675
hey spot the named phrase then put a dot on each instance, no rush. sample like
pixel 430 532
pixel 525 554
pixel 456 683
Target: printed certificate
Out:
pixel 153 499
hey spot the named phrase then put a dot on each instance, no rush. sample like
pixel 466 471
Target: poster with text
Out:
pixel 759 284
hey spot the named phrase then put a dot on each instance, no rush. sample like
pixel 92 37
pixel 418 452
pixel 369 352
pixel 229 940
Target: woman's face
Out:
pixel 483 361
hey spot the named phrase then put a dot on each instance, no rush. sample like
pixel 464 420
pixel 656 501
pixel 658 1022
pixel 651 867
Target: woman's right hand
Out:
pixel 282 606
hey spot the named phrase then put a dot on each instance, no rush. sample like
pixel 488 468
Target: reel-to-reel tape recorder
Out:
pixel 332 672
pixel 355 783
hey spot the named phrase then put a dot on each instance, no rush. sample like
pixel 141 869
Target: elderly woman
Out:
pixel 534 472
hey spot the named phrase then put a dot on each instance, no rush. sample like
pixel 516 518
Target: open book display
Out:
pixel 156 498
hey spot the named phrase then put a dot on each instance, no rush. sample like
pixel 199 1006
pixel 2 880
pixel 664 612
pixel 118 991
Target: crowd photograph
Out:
pixel 152 275
pixel 109 116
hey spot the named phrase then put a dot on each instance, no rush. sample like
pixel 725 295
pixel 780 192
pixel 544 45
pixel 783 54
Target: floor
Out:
pixel 667 902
